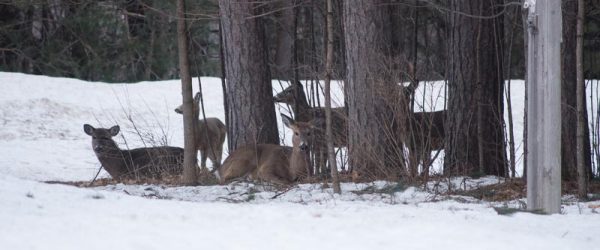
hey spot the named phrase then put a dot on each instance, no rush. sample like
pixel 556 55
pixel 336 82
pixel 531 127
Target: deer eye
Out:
pixel 308 133
pixel 296 133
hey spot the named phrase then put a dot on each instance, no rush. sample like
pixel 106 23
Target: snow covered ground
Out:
pixel 42 139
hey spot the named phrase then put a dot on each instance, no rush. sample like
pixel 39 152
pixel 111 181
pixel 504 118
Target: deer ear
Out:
pixel 88 129
pixel 114 130
pixel 287 121
pixel 197 97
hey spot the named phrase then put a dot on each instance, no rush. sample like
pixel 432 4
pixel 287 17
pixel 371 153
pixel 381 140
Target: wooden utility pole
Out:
pixel 189 155
pixel 544 27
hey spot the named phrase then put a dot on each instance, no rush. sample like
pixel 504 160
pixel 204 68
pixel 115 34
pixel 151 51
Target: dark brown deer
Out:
pixel 210 136
pixel 307 113
pixel 140 162
pixel 270 162
pixel 424 133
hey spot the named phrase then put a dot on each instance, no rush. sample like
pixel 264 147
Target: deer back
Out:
pixel 210 131
pixel 428 128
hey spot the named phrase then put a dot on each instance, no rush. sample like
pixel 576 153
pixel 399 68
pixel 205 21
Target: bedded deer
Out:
pixel 139 162
pixel 307 113
pixel 210 135
pixel 270 162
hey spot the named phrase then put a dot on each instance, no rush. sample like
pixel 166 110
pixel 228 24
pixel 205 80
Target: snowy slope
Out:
pixel 41 138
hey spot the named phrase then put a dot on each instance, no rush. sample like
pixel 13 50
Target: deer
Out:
pixel 424 133
pixel 140 162
pixel 210 135
pixel 270 162
pixel 306 113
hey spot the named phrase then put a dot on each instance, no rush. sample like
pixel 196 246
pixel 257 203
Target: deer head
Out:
pixel 102 141
pixel 288 95
pixel 179 110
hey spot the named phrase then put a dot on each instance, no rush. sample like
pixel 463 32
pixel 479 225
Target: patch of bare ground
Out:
pixel 516 189
pixel 505 191
pixel 205 178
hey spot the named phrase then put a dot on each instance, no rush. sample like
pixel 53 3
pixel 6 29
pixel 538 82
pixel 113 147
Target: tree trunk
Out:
pixel 373 101
pixel 328 75
pixel 251 113
pixel 569 98
pixel 285 41
pixel 189 156
pixel 474 139
pixel 524 13
pixel 582 158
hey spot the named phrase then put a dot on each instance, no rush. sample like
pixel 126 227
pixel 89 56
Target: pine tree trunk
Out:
pixel 285 41
pixel 569 98
pixel 251 112
pixel 582 171
pixel 475 142
pixel 329 73
pixel 373 101
pixel 189 158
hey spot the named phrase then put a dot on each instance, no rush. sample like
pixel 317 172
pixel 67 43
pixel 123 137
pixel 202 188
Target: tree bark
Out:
pixel 582 170
pixel 374 110
pixel 524 13
pixel 569 98
pixel 329 68
pixel 285 40
pixel 251 112
pixel 189 155
pixel 474 139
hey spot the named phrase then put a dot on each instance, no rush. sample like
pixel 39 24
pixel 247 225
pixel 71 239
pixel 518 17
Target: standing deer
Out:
pixel 307 113
pixel 210 135
pixel 139 162
pixel 270 162
pixel 424 133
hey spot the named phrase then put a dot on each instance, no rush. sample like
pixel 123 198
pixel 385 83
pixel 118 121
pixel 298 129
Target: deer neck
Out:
pixel 112 158
pixel 299 162
pixel 301 107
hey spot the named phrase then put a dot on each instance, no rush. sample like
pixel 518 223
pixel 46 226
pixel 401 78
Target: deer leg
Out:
pixel 323 162
pixel 203 155
pixel 216 160
pixel 413 164
pixel 271 176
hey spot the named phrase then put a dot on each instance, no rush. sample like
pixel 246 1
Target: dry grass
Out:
pixel 205 177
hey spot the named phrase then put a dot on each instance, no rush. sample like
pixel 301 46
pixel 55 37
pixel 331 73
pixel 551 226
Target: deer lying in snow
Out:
pixel 210 136
pixel 270 162
pixel 139 162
